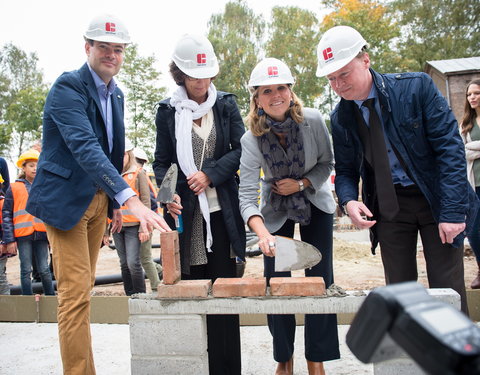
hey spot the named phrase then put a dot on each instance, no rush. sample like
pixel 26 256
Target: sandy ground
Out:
pixel 33 348
pixel 355 268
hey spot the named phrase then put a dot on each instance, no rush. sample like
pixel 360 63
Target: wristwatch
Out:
pixel 301 185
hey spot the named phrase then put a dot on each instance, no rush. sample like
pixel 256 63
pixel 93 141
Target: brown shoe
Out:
pixel 315 368
pixel 476 281
pixel 285 368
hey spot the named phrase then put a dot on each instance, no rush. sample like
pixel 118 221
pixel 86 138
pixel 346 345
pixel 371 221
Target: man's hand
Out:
pixel 117 220
pixel 148 218
pixel 12 248
pixel 448 231
pixel 143 237
pixel 357 212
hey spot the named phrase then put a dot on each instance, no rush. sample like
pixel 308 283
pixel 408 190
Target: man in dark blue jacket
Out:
pixel 78 181
pixel 397 133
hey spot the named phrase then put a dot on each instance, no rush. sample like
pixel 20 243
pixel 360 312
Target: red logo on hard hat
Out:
pixel 201 58
pixel 327 53
pixel 110 27
pixel 272 71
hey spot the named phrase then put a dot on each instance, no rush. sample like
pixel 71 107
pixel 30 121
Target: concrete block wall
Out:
pixel 168 344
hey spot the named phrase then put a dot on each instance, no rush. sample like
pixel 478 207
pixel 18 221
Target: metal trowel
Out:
pixel 292 254
pixel 167 190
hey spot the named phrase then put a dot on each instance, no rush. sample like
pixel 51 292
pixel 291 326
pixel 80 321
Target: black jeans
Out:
pixel 398 246
pixel 224 357
pixel 321 334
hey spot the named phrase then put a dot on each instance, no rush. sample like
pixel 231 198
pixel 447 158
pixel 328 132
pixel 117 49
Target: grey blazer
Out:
pixel 318 165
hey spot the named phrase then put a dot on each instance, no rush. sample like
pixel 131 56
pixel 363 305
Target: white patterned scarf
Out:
pixel 188 110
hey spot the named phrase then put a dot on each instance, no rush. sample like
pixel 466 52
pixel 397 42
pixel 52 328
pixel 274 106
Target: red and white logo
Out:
pixel 110 27
pixel 327 54
pixel 201 58
pixel 272 71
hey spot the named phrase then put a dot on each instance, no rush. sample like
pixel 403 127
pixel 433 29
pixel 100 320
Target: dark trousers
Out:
pixel 474 235
pixel 321 335
pixel 398 246
pixel 224 357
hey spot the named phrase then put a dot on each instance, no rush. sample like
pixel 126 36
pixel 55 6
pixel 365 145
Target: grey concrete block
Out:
pixel 169 365
pixel 174 335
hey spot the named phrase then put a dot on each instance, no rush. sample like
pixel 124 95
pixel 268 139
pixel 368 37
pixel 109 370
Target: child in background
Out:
pixel 23 232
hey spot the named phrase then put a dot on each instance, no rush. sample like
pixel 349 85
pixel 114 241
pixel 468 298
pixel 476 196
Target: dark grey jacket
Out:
pixel 221 170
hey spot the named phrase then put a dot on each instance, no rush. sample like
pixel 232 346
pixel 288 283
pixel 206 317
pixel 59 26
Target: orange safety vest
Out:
pixel 24 224
pixel 130 179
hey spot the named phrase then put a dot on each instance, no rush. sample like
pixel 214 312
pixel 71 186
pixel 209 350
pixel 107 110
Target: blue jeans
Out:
pixel 474 235
pixel 25 251
pixel 128 250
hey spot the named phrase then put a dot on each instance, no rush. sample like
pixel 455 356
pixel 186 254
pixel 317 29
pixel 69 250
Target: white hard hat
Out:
pixel 128 145
pixel 140 154
pixel 338 46
pixel 194 56
pixel 270 71
pixel 107 28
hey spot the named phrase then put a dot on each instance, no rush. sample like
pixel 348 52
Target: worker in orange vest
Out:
pixel 23 232
pixel 128 240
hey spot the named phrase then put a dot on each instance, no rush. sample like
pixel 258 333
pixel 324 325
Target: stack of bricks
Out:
pixel 173 287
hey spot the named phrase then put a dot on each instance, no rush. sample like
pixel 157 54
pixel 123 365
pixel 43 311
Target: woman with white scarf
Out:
pixel 199 128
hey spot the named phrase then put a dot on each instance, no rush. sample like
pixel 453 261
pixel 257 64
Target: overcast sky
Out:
pixel 54 28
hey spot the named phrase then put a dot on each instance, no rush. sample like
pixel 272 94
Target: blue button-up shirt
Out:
pixel 399 176
pixel 105 92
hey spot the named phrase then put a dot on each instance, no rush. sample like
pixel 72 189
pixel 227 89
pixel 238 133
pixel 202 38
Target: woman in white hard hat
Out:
pixel 200 129
pixel 130 237
pixel 292 146
pixel 24 232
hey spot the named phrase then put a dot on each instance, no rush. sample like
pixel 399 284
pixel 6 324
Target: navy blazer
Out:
pixel 75 158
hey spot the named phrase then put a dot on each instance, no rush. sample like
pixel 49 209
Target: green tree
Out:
pixel 24 117
pixel 20 114
pixel 236 35
pixel 438 30
pixel 142 90
pixel 293 39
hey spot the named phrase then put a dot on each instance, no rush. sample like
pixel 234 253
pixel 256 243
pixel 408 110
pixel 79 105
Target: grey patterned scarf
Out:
pixel 286 163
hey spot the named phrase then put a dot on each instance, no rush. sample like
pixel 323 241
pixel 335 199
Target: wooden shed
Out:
pixel 451 77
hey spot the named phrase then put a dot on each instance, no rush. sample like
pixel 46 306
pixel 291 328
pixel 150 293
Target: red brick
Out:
pixel 297 286
pixel 239 287
pixel 170 257
pixel 185 289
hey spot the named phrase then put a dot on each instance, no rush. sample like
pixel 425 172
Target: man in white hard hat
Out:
pixel 397 133
pixel 78 181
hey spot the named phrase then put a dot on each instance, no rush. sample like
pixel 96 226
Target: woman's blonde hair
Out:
pixel 257 124
pixel 132 163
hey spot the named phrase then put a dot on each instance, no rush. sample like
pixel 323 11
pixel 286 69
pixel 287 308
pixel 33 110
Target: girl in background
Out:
pixel 470 131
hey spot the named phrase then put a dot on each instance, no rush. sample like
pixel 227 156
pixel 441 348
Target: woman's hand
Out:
pixel 143 237
pixel 175 208
pixel 198 182
pixel 267 245
pixel 287 186
pixel 106 240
